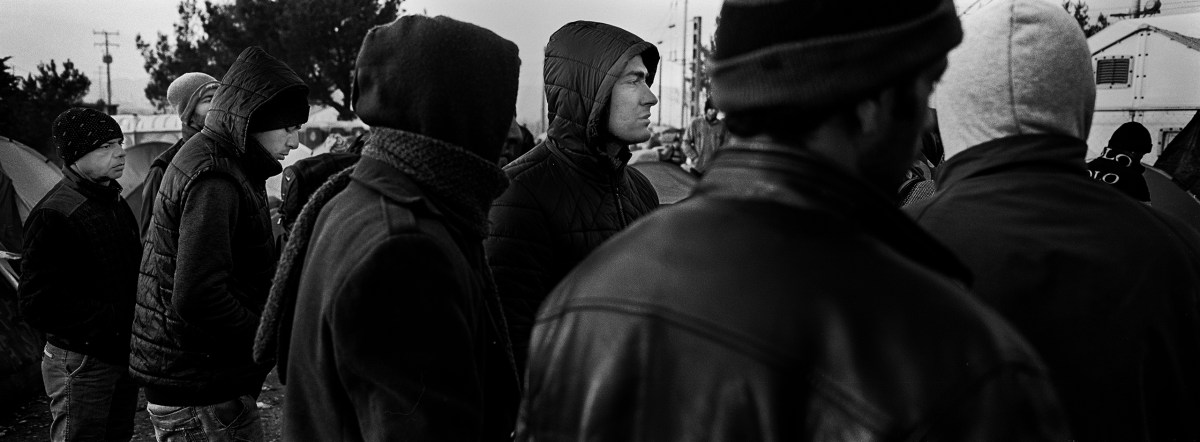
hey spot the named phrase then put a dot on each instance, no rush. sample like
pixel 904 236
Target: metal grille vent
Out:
pixel 1112 71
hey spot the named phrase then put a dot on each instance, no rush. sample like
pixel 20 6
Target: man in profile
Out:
pixel 573 191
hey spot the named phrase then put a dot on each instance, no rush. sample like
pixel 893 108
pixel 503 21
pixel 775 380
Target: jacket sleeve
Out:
pixel 204 261
pixel 149 192
pixel 1013 403
pixel 403 329
pixel 519 251
pixel 52 299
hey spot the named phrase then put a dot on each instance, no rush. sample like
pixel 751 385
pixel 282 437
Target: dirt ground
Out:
pixel 30 422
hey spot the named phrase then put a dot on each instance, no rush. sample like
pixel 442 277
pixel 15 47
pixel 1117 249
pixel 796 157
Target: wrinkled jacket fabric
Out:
pixel 1103 287
pixel 191 363
pixel 392 337
pixel 842 321
pixel 79 272
pixel 566 195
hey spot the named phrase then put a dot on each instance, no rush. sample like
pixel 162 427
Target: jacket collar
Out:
pixel 592 164
pixel 391 183
pixel 91 189
pixel 795 177
pixel 1030 153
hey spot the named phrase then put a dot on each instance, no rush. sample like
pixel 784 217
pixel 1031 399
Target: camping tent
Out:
pixel 32 174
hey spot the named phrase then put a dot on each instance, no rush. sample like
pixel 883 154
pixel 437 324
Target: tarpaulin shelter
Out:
pixel 1181 158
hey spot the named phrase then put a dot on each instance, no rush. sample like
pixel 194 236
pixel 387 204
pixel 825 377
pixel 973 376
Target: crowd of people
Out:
pixel 436 284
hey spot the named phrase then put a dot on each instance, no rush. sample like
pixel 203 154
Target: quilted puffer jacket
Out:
pixel 566 195
pixel 192 342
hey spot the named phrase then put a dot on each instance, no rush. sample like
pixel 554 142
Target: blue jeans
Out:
pixel 235 420
pixel 89 399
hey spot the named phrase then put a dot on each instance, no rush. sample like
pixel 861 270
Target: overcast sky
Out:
pixel 39 30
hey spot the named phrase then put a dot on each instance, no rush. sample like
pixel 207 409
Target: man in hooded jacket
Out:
pixel 397 332
pixel 814 309
pixel 573 191
pixel 1104 288
pixel 209 257
pixel 191 94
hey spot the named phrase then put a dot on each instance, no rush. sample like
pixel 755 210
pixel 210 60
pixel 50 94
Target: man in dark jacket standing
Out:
pixel 79 279
pixel 814 309
pixel 1104 288
pixel 573 191
pixel 704 136
pixel 397 332
pixel 191 94
pixel 1120 163
pixel 208 260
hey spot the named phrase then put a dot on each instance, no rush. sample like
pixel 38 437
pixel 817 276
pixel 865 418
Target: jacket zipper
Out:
pixel 620 206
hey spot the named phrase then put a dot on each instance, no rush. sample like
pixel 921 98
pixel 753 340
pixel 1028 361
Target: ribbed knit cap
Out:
pixel 80 130
pixel 441 78
pixel 816 54
pixel 182 91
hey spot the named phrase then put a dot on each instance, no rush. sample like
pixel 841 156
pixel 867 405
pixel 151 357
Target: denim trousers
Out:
pixel 235 420
pixel 90 400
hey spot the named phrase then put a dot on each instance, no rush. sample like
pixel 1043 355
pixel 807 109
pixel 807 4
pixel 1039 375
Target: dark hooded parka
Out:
pixel 567 195
pixel 209 256
pixel 397 333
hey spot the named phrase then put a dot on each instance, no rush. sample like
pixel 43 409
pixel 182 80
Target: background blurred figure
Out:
pixel 704 136
pixel 1120 163
pixel 79 281
pixel 1104 288
pixel 573 191
pixel 812 309
pixel 191 95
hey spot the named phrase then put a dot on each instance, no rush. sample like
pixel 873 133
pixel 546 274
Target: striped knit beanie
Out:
pixel 80 130
pixel 815 54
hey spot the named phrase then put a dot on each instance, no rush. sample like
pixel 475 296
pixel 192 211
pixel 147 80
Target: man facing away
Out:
pixel 1120 163
pixel 79 280
pixel 191 95
pixel 397 332
pixel 704 137
pixel 814 309
pixel 1103 287
pixel 573 191
pixel 208 260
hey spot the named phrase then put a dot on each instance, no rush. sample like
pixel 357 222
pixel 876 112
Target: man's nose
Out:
pixel 650 99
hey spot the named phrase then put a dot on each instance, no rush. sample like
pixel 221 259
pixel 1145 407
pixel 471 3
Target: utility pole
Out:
pixel 683 86
pixel 108 64
pixel 696 61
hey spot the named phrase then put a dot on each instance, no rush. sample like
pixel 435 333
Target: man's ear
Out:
pixel 871 113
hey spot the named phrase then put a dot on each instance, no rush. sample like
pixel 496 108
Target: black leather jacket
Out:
pixel 812 310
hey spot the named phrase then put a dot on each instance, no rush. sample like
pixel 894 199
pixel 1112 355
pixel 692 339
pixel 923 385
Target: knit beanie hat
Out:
pixel 80 130
pixel 182 92
pixel 441 78
pixel 1131 137
pixel 817 54
pixel 288 108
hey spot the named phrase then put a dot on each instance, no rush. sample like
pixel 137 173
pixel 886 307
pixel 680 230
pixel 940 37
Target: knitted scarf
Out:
pixel 462 184
pixel 465 185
